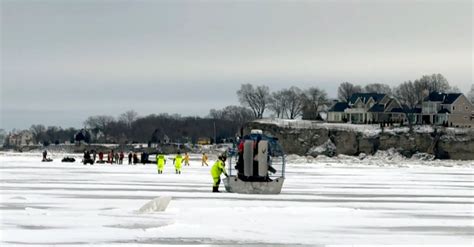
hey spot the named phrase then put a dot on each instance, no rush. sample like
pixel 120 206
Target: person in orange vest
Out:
pixel 204 160
pixel 186 159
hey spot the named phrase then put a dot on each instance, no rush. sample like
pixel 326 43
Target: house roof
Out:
pixel 398 109
pixel 451 97
pixel 415 110
pixel 377 108
pixel 444 111
pixel 445 98
pixel 366 96
pixel 339 107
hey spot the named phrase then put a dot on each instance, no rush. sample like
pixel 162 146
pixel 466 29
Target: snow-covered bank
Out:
pixel 382 158
pixel 313 138
pixel 329 201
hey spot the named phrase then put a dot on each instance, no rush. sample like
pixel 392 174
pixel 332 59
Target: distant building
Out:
pixel 356 110
pixel 23 138
pixel 3 137
pixel 166 139
pixel 451 109
pixel 204 141
pixel 336 113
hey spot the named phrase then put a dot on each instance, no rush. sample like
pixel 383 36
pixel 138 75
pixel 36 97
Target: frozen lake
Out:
pixel 330 201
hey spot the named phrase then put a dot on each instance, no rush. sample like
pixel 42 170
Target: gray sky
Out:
pixel 62 61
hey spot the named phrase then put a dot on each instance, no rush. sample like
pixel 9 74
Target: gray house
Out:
pixel 452 109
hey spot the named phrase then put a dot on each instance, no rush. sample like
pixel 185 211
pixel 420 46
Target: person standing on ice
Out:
pixel 45 153
pixel 204 160
pixel 121 157
pixel 217 169
pixel 130 155
pixel 177 163
pixel 160 163
pixel 186 159
pixel 101 157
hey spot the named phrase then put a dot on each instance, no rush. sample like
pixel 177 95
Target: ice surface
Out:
pixel 379 200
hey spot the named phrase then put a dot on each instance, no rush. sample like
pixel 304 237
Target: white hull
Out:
pixel 235 185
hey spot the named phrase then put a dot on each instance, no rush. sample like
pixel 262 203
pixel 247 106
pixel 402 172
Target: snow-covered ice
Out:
pixel 324 201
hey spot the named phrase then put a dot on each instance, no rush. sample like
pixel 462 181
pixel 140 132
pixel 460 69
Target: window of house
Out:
pixel 454 108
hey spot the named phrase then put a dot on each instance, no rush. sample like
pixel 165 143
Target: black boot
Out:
pixel 215 189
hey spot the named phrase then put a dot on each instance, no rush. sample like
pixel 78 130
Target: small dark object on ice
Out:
pixel 68 159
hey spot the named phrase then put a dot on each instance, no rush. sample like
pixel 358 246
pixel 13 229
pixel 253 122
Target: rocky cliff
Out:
pixel 314 138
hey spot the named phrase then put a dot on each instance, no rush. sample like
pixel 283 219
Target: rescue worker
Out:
pixel 217 169
pixel 204 160
pixel 186 159
pixel 177 163
pixel 160 163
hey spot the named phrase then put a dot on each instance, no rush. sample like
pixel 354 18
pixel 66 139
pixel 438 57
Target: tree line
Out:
pixel 256 101
pixel 294 102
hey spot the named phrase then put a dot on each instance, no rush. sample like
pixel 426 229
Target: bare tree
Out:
pixel 216 114
pixel 256 98
pixel 99 123
pixel 278 103
pixel 346 89
pixel 238 114
pixel 410 97
pixel 232 113
pixel 38 131
pixel 433 83
pixel 378 88
pixel 128 117
pixel 294 98
pixel 315 98
pixel 470 95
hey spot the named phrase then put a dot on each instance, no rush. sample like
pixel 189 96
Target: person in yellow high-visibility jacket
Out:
pixel 186 159
pixel 160 163
pixel 216 170
pixel 177 163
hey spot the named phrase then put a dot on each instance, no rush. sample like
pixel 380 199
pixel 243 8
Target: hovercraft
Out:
pixel 259 165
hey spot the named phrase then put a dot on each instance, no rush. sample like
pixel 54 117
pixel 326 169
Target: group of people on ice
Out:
pixel 216 170
pixel 177 161
pixel 90 157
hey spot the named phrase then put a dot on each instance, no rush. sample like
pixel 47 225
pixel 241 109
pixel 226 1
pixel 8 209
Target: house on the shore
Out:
pixel 450 109
pixel 373 108
pixel 21 139
pixel 361 108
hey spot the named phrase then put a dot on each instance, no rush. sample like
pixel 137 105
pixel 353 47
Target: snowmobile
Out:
pixel 260 165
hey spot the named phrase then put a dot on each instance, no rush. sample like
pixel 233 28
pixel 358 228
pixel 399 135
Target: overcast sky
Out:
pixel 62 61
